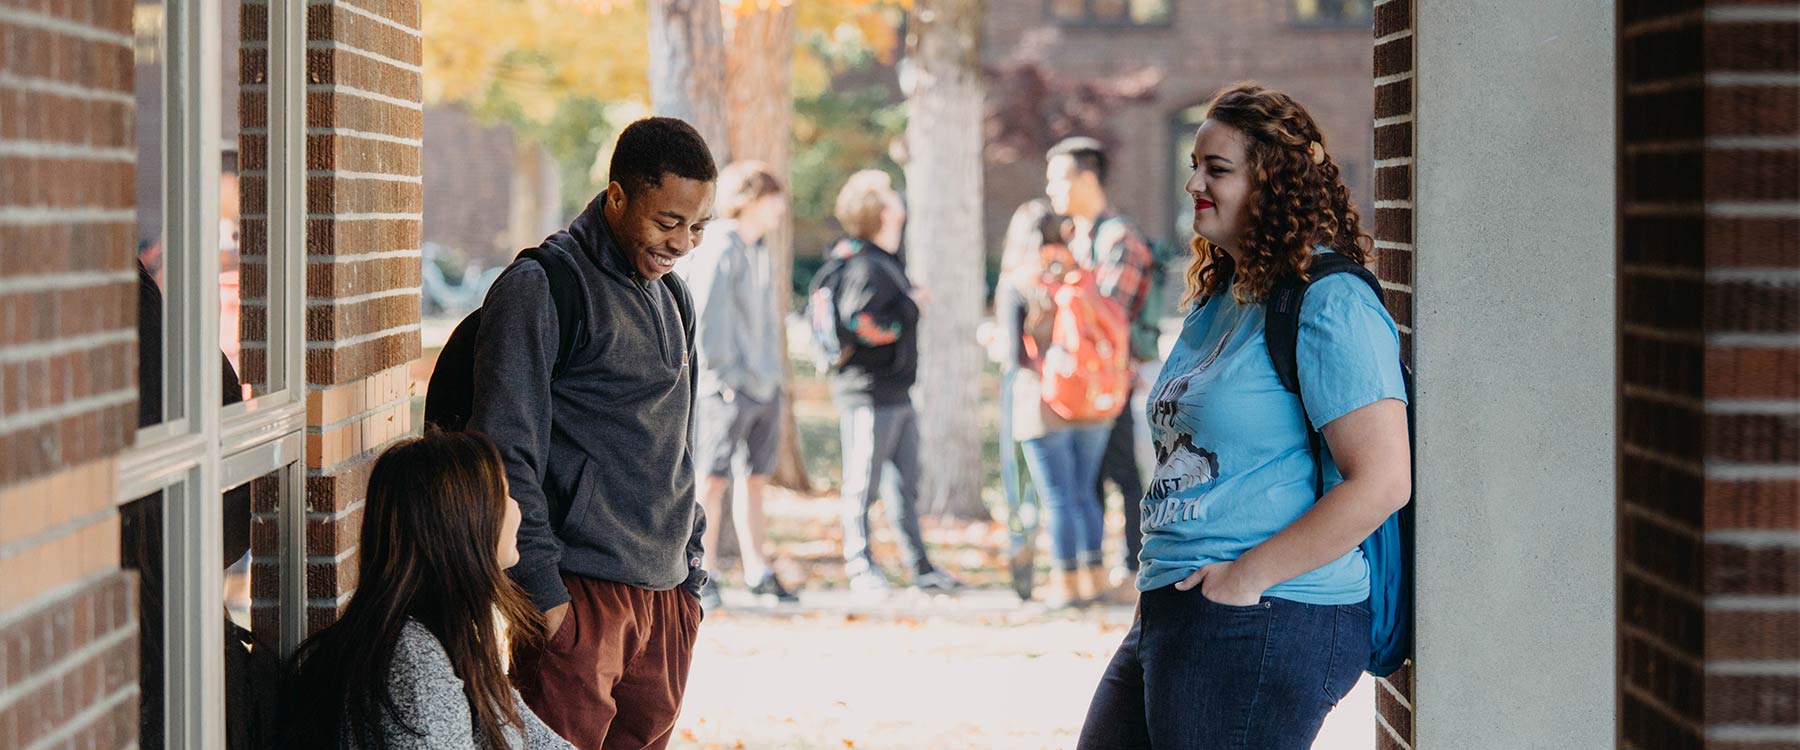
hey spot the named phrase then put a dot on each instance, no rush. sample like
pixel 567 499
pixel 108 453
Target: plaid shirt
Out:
pixel 1121 260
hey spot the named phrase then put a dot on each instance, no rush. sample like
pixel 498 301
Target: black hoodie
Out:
pixel 871 289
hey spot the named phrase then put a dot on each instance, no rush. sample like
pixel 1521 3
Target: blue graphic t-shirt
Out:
pixel 1232 461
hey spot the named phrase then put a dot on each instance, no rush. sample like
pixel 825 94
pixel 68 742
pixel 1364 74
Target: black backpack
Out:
pixel 450 395
pixel 1389 549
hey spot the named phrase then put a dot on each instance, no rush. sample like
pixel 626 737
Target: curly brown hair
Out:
pixel 1299 198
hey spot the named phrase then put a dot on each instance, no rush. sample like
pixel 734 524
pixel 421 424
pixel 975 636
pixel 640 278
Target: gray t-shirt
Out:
pixel 428 697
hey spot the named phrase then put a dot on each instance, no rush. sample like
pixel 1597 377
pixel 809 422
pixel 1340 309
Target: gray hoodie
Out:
pixel 739 336
pixel 600 458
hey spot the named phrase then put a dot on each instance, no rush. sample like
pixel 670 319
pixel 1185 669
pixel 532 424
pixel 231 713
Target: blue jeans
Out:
pixel 1064 466
pixel 1198 675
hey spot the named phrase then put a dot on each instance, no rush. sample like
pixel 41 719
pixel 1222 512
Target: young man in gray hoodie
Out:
pixel 741 367
pixel 597 446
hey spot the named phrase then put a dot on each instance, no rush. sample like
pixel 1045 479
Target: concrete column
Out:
pixel 1514 340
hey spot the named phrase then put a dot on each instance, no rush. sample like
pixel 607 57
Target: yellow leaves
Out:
pixel 746 7
pixel 533 53
pixel 528 55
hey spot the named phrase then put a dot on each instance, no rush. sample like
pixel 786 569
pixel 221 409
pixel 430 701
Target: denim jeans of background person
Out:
pixel 599 455
pixel 1063 465
pixel 1254 621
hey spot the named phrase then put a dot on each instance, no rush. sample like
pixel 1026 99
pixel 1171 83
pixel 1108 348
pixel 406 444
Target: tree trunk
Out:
pixel 687 80
pixel 687 64
pixel 759 61
pixel 944 241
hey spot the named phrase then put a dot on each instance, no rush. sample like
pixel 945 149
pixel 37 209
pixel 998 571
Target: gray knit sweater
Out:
pixel 429 698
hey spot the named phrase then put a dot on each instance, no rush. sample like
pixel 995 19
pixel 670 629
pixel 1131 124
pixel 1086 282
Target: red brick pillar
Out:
pixel 1394 264
pixel 68 373
pixel 363 195
pixel 1709 516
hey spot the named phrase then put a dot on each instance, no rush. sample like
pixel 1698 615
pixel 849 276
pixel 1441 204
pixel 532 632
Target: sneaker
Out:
pixel 709 597
pixel 937 582
pixel 771 586
pixel 868 581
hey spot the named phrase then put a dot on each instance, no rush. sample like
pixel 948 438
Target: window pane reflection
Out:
pixel 243 197
pixel 141 524
pixel 156 401
pixel 252 600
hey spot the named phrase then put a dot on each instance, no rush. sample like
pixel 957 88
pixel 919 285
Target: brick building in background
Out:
pixel 1317 50
pixel 1494 212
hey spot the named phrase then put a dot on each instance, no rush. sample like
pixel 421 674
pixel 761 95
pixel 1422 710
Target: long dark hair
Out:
pixel 435 509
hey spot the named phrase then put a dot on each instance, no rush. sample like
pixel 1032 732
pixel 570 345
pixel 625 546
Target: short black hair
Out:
pixel 1089 154
pixel 655 146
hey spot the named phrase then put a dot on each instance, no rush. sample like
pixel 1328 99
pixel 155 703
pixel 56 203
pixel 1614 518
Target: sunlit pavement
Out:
pixel 977 670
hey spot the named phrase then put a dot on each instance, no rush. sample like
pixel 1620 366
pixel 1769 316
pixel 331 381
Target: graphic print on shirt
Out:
pixel 1180 464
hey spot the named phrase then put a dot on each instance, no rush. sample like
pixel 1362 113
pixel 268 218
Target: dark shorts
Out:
pixel 743 432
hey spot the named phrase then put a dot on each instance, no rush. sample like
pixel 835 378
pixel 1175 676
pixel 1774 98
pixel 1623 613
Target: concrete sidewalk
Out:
pixel 975 670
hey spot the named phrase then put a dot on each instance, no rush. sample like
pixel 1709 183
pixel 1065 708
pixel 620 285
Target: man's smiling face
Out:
pixel 660 223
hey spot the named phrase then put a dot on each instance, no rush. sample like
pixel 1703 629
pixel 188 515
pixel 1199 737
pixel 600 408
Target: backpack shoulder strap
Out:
pixel 684 303
pixel 1281 331
pixel 565 292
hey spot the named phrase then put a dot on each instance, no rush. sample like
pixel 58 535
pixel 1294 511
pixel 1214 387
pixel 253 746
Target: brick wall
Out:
pixel 68 363
pixel 1393 231
pixel 363 221
pixel 1709 632
pixel 1205 46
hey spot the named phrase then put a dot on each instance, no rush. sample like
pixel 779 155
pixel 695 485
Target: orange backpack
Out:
pixel 1086 372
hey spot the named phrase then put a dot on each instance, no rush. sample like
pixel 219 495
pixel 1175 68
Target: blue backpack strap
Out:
pixel 565 292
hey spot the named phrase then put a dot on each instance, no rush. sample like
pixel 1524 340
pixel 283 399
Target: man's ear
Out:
pixel 615 196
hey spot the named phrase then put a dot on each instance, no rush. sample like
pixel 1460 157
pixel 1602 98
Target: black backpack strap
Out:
pixel 565 292
pixel 1281 332
pixel 684 303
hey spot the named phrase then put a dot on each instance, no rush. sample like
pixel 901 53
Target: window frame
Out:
pixel 1089 20
pixel 1334 23
pixel 206 448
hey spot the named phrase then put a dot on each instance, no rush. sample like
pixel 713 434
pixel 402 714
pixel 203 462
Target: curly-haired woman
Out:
pixel 1254 620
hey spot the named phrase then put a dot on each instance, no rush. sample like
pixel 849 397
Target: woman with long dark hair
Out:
pixel 1254 618
pixel 416 659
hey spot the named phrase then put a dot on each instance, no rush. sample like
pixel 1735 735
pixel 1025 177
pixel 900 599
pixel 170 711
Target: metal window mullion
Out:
pixel 195 607
pixel 154 466
pixel 287 231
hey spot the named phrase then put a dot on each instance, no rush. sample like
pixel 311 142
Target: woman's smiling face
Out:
pixel 1221 185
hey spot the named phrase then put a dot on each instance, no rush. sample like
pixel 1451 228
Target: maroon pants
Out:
pixel 612 675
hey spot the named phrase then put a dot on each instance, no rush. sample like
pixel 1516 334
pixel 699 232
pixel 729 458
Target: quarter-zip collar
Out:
pixel 593 234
